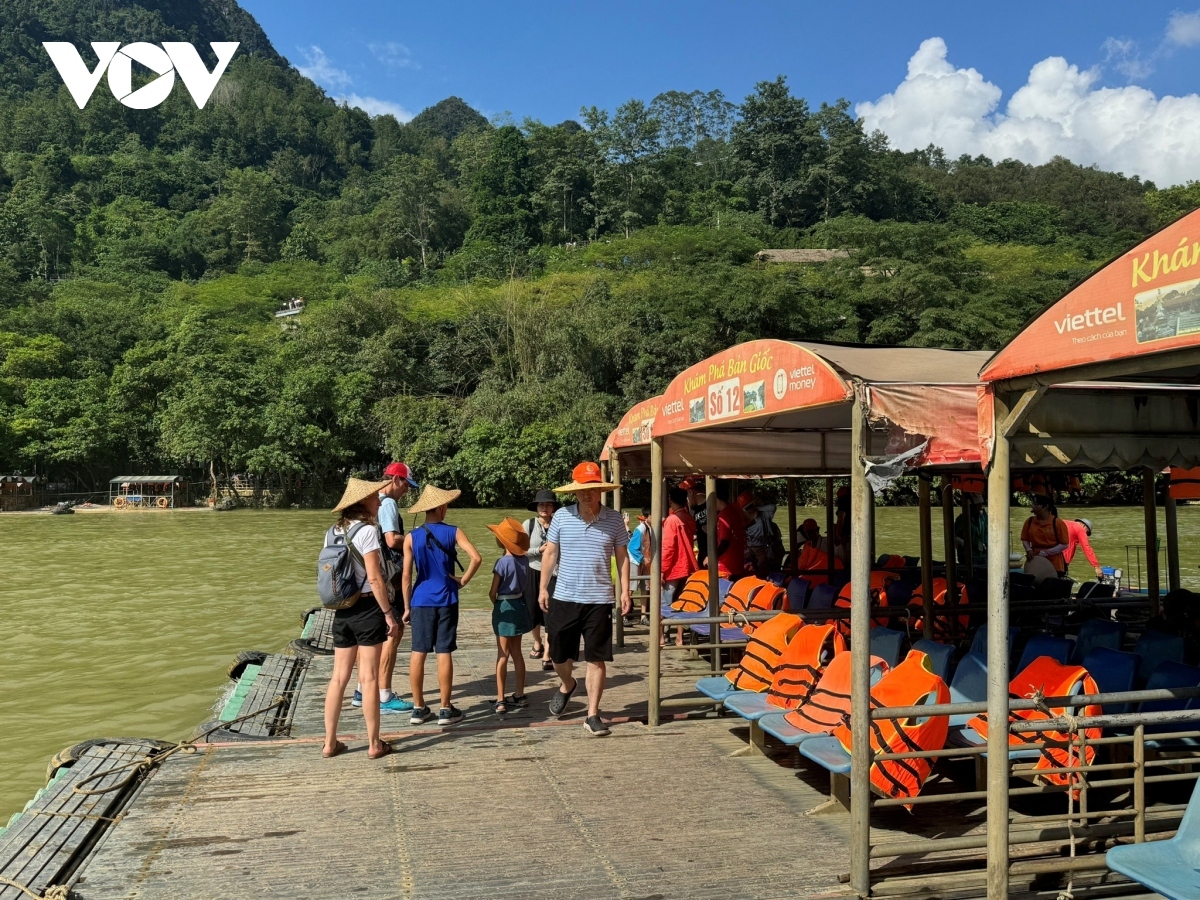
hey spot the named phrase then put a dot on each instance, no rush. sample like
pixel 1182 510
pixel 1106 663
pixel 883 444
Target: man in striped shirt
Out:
pixel 583 540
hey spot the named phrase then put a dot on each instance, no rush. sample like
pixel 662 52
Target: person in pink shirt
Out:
pixel 1078 532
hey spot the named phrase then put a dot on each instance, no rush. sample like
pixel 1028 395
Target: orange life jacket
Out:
pixel 943 625
pixel 693 596
pixel 756 671
pixel 802 663
pixel 1184 484
pixel 879 583
pixel 752 594
pixel 813 564
pixel 1052 679
pixel 894 561
pixel 828 706
pixel 973 484
pixel 909 684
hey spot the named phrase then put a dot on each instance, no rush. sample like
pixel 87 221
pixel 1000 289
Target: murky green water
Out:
pixel 124 624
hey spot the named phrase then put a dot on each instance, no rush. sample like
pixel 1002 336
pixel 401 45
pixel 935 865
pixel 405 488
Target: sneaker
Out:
pixel 596 727
pixel 357 701
pixel 395 704
pixel 421 716
pixel 521 702
pixel 451 716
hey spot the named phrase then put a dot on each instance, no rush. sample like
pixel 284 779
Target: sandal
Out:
pixel 520 702
pixel 387 750
pixel 547 666
pixel 338 748
pixel 500 706
pixel 537 651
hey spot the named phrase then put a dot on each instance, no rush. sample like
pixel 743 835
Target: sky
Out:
pixel 1107 83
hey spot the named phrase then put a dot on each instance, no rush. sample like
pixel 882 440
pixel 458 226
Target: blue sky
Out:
pixel 547 59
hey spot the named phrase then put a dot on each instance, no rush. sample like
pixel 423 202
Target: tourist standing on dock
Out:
pixel 731 540
pixel 392 527
pixel 510 618
pixel 431 598
pixel 583 540
pixel 678 555
pixel 698 507
pixel 1045 534
pixel 544 504
pixel 1078 532
pixel 360 630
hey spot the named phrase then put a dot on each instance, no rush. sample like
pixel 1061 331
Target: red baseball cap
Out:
pixel 692 483
pixel 587 473
pixel 745 498
pixel 400 470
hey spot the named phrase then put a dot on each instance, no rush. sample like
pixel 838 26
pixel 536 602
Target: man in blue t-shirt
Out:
pixel 583 540
pixel 392 528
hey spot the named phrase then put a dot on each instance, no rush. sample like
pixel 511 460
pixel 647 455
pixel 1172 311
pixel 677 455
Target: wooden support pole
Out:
pixel 948 542
pixel 923 490
pixel 999 494
pixel 618 618
pixel 1172 518
pixel 791 501
pixel 714 579
pixel 829 526
pixel 862 513
pixel 616 477
pixel 656 519
pixel 1151 517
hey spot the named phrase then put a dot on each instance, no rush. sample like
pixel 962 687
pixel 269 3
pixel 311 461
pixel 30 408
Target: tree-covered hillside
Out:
pixel 482 298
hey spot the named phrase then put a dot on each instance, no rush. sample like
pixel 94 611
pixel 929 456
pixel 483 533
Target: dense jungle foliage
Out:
pixel 483 299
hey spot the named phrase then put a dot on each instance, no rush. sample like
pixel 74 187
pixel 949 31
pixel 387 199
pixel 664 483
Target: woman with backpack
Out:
pixel 359 630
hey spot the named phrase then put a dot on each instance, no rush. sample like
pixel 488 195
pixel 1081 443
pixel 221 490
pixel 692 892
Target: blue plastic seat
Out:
pixel 968 686
pixel 1097 633
pixel 723 586
pixel 778 727
pixel 1171 867
pixel 828 753
pixel 717 687
pixel 797 593
pixel 939 656
pixel 1155 647
pixel 979 643
pixel 1058 649
pixel 729 634
pixel 1167 675
pixel 1114 672
pixel 822 596
pixel 750 706
pixel 888 644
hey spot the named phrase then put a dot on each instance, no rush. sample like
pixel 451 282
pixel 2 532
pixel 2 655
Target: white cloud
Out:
pixel 376 107
pixel 1058 112
pixel 318 67
pixel 393 54
pixel 1126 57
pixel 1183 29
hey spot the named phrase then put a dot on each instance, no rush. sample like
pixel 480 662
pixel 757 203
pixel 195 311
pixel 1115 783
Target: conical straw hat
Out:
pixel 433 497
pixel 356 490
pixel 586 476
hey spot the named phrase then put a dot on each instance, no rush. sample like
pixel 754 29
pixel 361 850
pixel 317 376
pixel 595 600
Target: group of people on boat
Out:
pixel 555 576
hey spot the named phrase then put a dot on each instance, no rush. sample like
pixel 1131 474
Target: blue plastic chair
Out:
pixel 775 723
pixel 1114 672
pixel 968 686
pixel 888 644
pixel 1171 867
pixel 822 596
pixel 939 656
pixel 797 593
pixel 1155 647
pixel 1169 674
pixel 1097 633
pixel 1058 649
pixel 979 643
pixel 828 753
pixel 716 687
pixel 723 586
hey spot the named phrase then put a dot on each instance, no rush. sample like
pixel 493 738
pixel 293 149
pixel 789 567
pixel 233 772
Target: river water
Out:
pixel 122 624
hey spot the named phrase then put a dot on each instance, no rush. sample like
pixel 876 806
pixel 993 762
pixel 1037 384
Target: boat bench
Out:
pixel 46 843
pixel 259 687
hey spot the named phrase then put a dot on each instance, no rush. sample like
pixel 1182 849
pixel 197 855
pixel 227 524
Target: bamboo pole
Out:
pixel 791 502
pixel 829 525
pixel 862 514
pixel 926 554
pixel 948 542
pixel 1151 516
pixel 714 579
pixel 656 519
pixel 999 494
pixel 1172 518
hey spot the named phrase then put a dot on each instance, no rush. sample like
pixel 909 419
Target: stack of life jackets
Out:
pixel 912 683
pixel 802 664
pixel 693 596
pixel 1046 677
pixel 828 705
pixel 756 671
pixel 752 594
pixel 878 592
pixel 942 624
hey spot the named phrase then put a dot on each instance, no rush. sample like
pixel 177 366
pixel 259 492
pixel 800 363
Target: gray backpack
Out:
pixel 337 583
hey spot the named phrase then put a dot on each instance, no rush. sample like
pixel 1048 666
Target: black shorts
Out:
pixel 434 628
pixel 362 625
pixel 567 622
pixel 533 587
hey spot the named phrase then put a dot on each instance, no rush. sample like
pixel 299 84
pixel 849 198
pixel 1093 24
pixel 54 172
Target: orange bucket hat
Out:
pixel 510 533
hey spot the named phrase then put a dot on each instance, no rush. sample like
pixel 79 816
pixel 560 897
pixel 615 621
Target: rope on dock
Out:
pixel 54 892
pixel 154 759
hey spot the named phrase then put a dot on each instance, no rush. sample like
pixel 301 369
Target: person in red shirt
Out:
pixel 678 555
pixel 1078 532
pixel 731 540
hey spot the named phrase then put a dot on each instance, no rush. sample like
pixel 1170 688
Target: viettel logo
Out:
pixel 165 61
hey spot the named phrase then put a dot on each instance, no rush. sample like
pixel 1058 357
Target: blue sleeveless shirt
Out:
pixel 433 585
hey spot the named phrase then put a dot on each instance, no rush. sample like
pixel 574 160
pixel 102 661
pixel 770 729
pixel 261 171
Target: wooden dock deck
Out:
pixel 519 805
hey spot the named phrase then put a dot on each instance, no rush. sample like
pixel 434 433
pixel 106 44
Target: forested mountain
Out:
pixel 483 298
